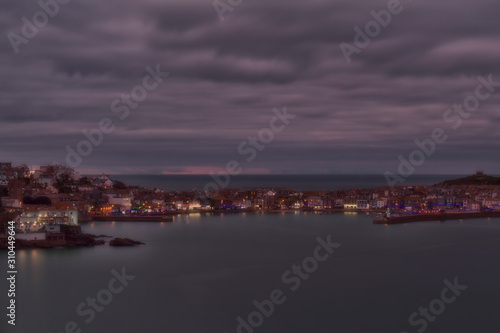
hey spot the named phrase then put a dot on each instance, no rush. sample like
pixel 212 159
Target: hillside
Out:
pixel 477 179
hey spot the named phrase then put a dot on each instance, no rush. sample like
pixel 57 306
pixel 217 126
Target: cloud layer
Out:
pixel 226 77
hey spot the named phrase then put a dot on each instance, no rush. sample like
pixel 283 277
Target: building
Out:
pixel 86 188
pixel 46 181
pixel 35 219
pixel 315 202
pixel 57 171
pixel 11 204
pixel 4 180
pixel 124 202
pixel 491 203
pixel 32 236
pixel 362 204
pixel 16 189
pixel 351 204
pixel 5 166
pixel 474 205
pixel 103 182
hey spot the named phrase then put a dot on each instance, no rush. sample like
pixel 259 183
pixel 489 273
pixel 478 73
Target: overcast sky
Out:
pixel 227 77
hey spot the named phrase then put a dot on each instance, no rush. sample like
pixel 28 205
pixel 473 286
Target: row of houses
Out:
pixel 36 219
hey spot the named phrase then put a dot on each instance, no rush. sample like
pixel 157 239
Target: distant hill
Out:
pixel 478 179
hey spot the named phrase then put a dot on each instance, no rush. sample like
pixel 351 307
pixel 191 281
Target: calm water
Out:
pixel 200 274
pixel 296 182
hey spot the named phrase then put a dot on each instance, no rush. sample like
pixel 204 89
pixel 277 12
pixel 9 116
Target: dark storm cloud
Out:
pixel 226 77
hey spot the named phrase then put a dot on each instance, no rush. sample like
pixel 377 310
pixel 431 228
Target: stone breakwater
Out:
pixel 132 218
pixel 434 217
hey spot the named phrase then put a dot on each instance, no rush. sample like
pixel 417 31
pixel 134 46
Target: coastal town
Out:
pixel 43 199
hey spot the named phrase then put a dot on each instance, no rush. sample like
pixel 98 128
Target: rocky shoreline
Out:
pixel 71 237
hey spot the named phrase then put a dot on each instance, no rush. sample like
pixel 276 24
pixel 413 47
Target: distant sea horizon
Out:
pixel 299 182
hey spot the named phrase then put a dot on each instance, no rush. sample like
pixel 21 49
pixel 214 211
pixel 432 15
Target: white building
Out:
pixel 86 188
pixel 350 205
pixel 491 203
pixel 103 181
pixel 35 219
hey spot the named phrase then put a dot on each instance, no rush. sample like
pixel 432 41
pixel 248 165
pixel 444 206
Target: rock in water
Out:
pixel 124 242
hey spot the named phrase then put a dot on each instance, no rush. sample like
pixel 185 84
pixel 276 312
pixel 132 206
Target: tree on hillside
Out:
pixel 118 185
pixel 4 191
pixel 84 181
pixel 37 201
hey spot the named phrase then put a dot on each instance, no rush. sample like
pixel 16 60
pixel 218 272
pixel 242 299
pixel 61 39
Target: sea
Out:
pixel 295 182
pixel 266 273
